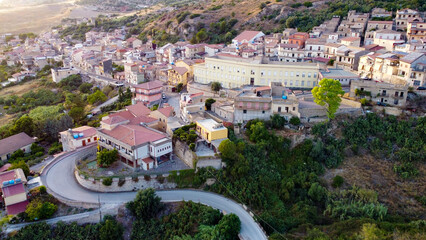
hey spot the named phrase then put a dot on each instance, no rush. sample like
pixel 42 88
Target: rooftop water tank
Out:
pixel 11 181
pixel 284 97
pixel 80 134
pixel 75 136
pixel 5 183
pixel 18 180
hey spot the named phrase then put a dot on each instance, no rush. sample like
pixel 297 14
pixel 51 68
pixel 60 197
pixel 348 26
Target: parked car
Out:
pixel 381 104
pixel 421 88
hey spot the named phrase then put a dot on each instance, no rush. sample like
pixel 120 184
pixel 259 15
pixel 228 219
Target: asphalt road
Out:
pixel 59 179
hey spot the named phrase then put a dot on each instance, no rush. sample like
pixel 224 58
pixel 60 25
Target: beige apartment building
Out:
pixel 402 17
pixel 385 93
pixel 234 71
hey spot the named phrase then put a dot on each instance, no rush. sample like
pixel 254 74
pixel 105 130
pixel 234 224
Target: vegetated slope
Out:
pixel 218 21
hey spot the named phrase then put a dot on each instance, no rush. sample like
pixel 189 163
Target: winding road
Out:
pixel 59 178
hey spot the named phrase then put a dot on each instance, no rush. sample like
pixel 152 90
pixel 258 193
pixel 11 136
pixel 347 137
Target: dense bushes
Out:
pixel 106 157
pixel 187 221
pixel 108 229
pixel 402 141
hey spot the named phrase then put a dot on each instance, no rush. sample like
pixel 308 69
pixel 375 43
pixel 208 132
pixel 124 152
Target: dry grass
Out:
pixel 377 174
pixel 20 89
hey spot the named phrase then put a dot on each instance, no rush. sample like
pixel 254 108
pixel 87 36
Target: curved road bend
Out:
pixel 59 178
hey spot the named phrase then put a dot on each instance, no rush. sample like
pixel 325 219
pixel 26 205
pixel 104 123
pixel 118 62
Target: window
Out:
pixel 88 140
pixel 303 74
pixel 263 112
pixel 279 109
pixel 244 111
pixel 294 108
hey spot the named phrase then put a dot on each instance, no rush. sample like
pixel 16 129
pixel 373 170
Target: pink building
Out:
pixel 149 92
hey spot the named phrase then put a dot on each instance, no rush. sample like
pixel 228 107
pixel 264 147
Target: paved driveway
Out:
pixel 59 179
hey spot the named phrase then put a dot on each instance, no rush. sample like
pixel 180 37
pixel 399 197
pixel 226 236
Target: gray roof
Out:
pixel 15 142
pixel 338 73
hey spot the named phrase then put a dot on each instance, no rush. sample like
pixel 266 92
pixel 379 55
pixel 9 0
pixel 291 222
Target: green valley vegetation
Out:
pixel 285 189
pixel 108 229
pixel 189 221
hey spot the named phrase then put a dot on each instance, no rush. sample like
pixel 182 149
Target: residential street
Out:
pixel 59 179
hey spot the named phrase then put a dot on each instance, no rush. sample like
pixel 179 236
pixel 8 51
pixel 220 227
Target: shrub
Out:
pixel 107 181
pixel 56 147
pixel 121 182
pixel 160 179
pixel 37 210
pixel 337 181
pixel 146 204
pixel 192 146
pixel 295 121
pixel 21 164
pixel 147 177
pixel 308 4
pixel 135 179
pixel 39 154
pixel 216 86
pixel 107 157
pixel 42 189
pixel 364 101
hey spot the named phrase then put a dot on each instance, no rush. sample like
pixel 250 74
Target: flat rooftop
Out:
pixel 211 125
pixel 338 73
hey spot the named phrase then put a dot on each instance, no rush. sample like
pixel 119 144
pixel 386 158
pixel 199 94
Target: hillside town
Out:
pixel 185 96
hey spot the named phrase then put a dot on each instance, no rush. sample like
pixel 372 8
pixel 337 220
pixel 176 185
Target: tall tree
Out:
pixel 328 94
pixel 23 124
pixel 146 204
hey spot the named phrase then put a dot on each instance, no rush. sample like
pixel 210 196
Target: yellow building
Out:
pixel 177 75
pixel 211 130
pixel 234 71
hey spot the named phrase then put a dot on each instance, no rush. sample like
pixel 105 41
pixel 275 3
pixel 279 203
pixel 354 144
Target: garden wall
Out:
pixel 128 185
pixel 184 153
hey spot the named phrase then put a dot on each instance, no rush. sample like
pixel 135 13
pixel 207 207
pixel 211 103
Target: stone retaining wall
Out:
pixel 184 153
pixel 129 184
pixel 216 163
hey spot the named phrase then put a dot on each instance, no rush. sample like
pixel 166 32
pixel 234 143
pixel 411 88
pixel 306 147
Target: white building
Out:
pixel 60 73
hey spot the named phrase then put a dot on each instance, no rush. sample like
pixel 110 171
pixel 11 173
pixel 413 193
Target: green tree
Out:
pixel 22 165
pixel 107 157
pixel 277 121
pixel 216 86
pixel 23 124
pixel 295 121
pixel 85 87
pixel 328 94
pixel 227 149
pixel 317 193
pixel 370 231
pixel 209 103
pixel 229 227
pixel 76 113
pixel 146 204
pixel 96 97
pixel 308 4
pixel 37 210
pixel 111 230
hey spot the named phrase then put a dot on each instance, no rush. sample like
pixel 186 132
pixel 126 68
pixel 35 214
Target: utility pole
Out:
pixel 100 213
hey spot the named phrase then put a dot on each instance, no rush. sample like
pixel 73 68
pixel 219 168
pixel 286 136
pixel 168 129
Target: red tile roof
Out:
pixel 142 119
pixel 133 135
pixel 5 167
pixel 138 109
pixel 259 89
pixel 86 130
pixel 150 85
pixel 351 39
pixel 246 36
pixel 167 111
pixel 148 160
pixel 15 142
pixel 13 190
pixel 17 208
pixel 118 117
pixel 180 70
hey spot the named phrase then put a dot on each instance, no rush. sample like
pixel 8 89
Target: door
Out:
pixel 251 81
pixel 84 143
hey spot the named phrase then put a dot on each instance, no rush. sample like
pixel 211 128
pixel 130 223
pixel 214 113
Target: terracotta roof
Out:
pixel 150 85
pixel 381 22
pixel 118 117
pixel 138 109
pixel 86 130
pixel 5 167
pixel 246 35
pixel 133 135
pixel 142 119
pixel 15 142
pixel 17 208
pixel 258 89
pixel 180 70
pixel 351 39
pixel 166 111
pixel 196 94
pixel 15 189
pixel 130 40
pixel 148 160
